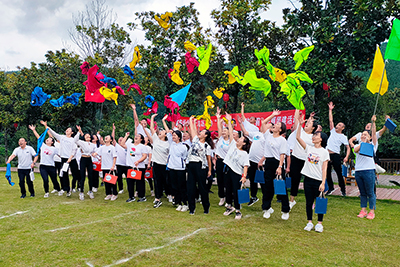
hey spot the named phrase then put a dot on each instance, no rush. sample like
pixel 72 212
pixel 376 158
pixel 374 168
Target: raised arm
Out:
pixel 123 142
pixel 275 113
pixel 331 124
pixel 135 116
pixel 242 128
pixel 383 130
pixel 165 123
pixel 152 123
pixel 242 112
pixel 373 130
pixel 230 128
pixel 219 122
pixel 113 135
pixel 33 128
pixel 53 133
pixel 193 127
pixel 298 132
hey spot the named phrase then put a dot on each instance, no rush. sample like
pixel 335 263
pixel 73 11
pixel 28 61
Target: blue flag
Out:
pixel 40 141
pixel 8 174
pixel 180 95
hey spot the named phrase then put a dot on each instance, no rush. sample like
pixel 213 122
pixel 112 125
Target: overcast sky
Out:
pixel 30 28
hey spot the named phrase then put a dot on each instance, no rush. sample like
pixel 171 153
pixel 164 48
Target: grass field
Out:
pixel 61 231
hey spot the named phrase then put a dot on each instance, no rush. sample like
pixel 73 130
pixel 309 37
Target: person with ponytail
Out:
pixel 199 167
pixel 95 174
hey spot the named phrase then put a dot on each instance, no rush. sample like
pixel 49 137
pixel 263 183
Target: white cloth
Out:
pixel 199 150
pixel 177 155
pixel 335 140
pixel 57 156
pixel 121 155
pixel 87 148
pixel 140 130
pixel 236 159
pixel 160 150
pixel 221 148
pixel 274 146
pixel 149 151
pixel 250 127
pixel 188 142
pixel 24 157
pixel 314 161
pixel 291 142
pixel 257 146
pixel 67 145
pixel 47 155
pixel 298 150
pixel 363 162
pixel 107 154
pixel 134 153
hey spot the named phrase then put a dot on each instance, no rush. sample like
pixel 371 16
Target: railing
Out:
pixel 391 165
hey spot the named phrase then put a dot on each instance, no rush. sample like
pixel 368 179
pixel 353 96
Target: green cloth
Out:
pixel 393 46
pixel 263 58
pixel 256 83
pixel 302 56
pixel 294 91
pixel 302 76
pixel 235 74
pixel 204 58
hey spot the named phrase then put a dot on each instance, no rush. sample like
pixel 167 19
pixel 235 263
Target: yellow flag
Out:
pixel 376 75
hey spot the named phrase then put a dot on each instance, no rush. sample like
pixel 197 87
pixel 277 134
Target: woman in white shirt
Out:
pixel 87 151
pixel 95 174
pixel 148 162
pixel 314 170
pixel 237 164
pixel 365 173
pixel 122 168
pixel 159 159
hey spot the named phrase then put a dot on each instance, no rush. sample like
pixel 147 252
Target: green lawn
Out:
pixel 98 232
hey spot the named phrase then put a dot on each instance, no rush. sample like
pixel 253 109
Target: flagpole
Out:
pixel 380 86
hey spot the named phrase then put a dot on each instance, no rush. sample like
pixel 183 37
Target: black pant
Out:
pixel 121 170
pixel 58 165
pixel 95 179
pixel 232 186
pixel 178 184
pixel 140 185
pixel 86 164
pixel 197 176
pixel 251 174
pixel 270 166
pixel 45 172
pixel 111 189
pixel 220 177
pixel 22 174
pixel 160 179
pixel 296 165
pixel 75 175
pixel 311 190
pixel 336 162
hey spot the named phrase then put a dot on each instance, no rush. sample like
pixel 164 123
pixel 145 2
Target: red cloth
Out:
pixel 153 109
pixel 93 82
pixel 94 97
pixel 136 86
pixel 191 62
pixel 85 68
pixel 120 90
pixel 174 107
pixel 169 73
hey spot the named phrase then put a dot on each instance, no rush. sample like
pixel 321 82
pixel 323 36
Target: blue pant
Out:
pixel 366 183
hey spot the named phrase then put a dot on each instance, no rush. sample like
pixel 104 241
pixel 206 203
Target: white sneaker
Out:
pixel 114 197
pixel 136 194
pixel 60 193
pixel 94 189
pixel 319 228
pixel 185 208
pixel 74 190
pixel 152 193
pixel 179 208
pixel 309 227
pixel 267 213
pixel 69 194
pixel 46 195
pixel 121 191
pixel 81 196
pixel 170 199
pixel 54 191
pixel 221 202
pixel 292 203
pixel 285 216
pixel 91 195
pixel 108 197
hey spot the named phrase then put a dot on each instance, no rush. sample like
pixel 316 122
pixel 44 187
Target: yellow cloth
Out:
pixel 280 75
pixel 239 78
pixel 136 58
pixel 218 92
pixel 376 75
pixel 209 102
pixel 109 94
pixel 175 74
pixel 189 46
pixel 231 78
pixel 164 20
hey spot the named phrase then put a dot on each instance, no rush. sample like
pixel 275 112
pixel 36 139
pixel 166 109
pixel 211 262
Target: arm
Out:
pixel 296 116
pixel 34 161
pixel 242 128
pixel 149 155
pixel 324 168
pixel 123 142
pixel 242 112
pixel 281 160
pixel 193 127
pixel 219 122
pixel 383 130
pixel 260 163
pixel 331 124
pixel 10 158
pixel 347 154
pixel 144 156
pixel 152 124
pixel 351 141
pixel 230 128
pixel 113 135
pixel 298 133
pixel 53 133
pixel 165 124
pixel 373 130
pixel 209 165
pixel 113 165
pixel 101 140
pixel 135 116
pixel 33 128
pixel 244 175
pixel 288 161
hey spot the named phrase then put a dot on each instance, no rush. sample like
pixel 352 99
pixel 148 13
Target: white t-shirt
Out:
pixel 134 153
pixel 274 147
pixel 199 149
pixel 298 150
pixel 177 155
pixel 160 150
pixel 47 155
pixel 24 157
pixel 250 127
pixel 291 141
pixel 188 142
pixel 56 156
pixel 221 148
pixel 236 159
pixel 107 154
pixel 140 130
pixel 358 139
pixel 364 163
pixel 257 146
pixel 68 146
pixel 149 151
pixel 86 148
pixel 121 155
pixel 335 140
pixel 314 161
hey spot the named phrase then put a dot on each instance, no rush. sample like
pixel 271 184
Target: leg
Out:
pixel 295 173
pixel 182 182
pixel 140 184
pixel 89 168
pixel 58 166
pixel 75 173
pixel 119 174
pixel 21 176
pixel 269 175
pixel 203 188
pixel 53 176
pixel 30 183
pixel 251 174
pixel 45 177
pixel 65 177
pixel 369 188
pixel 158 174
pixel 337 166
pixel 229 188
pixel 235 179
pixel 309 194
pixel 362 188
pixel 83 174
pixel 191 185
pixel 329 175
pixel 131 187
pixel 220 178
pixel 95 179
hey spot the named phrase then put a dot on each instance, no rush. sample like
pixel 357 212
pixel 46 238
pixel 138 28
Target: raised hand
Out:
pixel 44 123
pixel 153 116
pixel 228 116
pixel 32 127
pixel 165 117
pixel 331 105
pixel 276 112
pixel 133 106
pixel 113 127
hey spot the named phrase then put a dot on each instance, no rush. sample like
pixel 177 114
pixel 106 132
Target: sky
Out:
pixel 30 28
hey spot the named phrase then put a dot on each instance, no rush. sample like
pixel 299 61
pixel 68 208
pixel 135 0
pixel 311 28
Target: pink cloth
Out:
pixel 120 90
pixel 93 82
pixel 191 62
pixel 153 109
pixel 136 86
pixel 85 68
pixel 94 97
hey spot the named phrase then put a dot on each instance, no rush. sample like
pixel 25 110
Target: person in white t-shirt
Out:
pixel 365 173
pixel 140 126
pixel 237 164
pixel 148 163
pixel 122 168
pixel 335 140
pixel 25 165
pixel 96 174
pixel 249 124
pixel 314 170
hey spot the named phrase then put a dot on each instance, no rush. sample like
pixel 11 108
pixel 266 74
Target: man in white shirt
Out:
pixel 25 164
pixel 336 139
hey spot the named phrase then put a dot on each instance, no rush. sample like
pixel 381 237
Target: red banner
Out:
pixel 286 116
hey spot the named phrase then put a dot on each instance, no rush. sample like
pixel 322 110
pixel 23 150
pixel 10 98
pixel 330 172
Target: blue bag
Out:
pixel 321 204
pixel 288 181
pixel 367 149
pixel 259 178
pixel 344 170
pixel 390 125
pixel 243 195
pixel 279 186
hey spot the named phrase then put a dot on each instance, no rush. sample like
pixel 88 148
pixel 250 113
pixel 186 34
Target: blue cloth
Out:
pixel 38 97
pixel 109 80
pixel 58 103
pixel 180 95
pixel 148 101
pixel 73 99
pixel 366 184
pixel 128 71
pixel 8 174
pixel 40 141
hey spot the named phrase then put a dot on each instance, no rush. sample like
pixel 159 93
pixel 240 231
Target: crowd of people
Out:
pixel 184 160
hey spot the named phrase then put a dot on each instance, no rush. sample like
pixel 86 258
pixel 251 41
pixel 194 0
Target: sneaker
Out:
pixel 69 194
pixel 343 194
pixel 292 203
pixel 179 208
pixel 74 190
pixel 81 196
pixel 330 192
pixel 371 215
pixel 157 204
pixel 228 211
pixel 152 193
pixel 185 208
pixel 61 192
pixel 121 191
pixel 114 197
pixel 131 199
pixel 108 197
pixel 267 213
pixel 221 202
pixel 91 195
pixel 319 228
pixel 191 212
pixel 22 196
pixel 285 216
pixel 136 194
pixel 309 227
pixel 32 195
pixel 46 195
pixel 362 214
pixel 207 211
pixel 54 191
pixel 169 199
pixel 94 189
pixel 238 215
pixel 252 201
pixel 143 199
